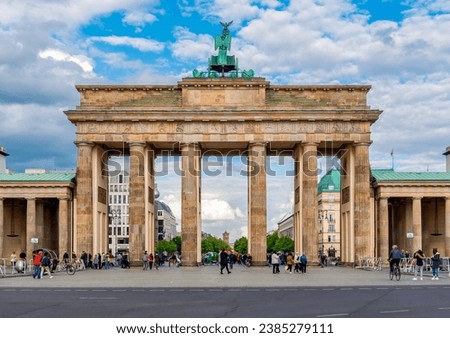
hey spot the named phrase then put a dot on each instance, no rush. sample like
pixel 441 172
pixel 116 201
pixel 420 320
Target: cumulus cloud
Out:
pixel 81 60
pixel 144 45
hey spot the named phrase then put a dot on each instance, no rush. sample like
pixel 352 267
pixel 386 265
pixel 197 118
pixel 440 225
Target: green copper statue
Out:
pixel 222 63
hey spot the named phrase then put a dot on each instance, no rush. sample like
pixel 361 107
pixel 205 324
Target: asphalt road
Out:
pixel 397 301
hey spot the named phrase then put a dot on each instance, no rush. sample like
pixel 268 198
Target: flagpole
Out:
pixel 392 156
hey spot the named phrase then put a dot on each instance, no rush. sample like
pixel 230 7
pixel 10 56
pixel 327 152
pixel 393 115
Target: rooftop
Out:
pixel 40 177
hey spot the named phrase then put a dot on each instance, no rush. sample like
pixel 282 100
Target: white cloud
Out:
pixel 139 19
pixel 58 55
pixel 144 45
pixel 216 209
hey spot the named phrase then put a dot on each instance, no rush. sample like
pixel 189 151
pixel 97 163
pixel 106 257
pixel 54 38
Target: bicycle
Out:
pixel 395 272
pixel 70 268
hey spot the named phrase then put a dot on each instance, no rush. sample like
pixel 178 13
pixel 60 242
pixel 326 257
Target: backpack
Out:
pixel 45 261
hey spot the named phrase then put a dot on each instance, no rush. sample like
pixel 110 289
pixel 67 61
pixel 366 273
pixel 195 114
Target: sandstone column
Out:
pixel 137 202
pixel 310 226
pixel 2 227
pixel 84 226
pixel 447 226
pixel 383 229
pixel 298 233
pixel 150 201
pixel 417 223
pixel 64 237
pixel 257 203
pixel 31 226
pixel 363 247
pixel 190 205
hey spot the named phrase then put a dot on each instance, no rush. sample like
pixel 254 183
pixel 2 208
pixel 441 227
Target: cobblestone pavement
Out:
pixel 209 276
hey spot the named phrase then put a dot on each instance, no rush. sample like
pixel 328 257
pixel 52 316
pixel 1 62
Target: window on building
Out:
pixel 331 228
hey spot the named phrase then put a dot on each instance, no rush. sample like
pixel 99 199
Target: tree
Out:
pixel 284 244
pixel 177 241
pixel 166 246
pixel 241 245
pixel 212 244
pixel 271 240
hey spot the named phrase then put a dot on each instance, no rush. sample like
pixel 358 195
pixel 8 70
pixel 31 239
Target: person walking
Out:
pixel 289 262
pixel 275 263
pixel 45 266
pixel 419 257
pixel 435 262
pixel 223 258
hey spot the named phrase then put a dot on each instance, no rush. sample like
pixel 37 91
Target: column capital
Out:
pixel 137 144
pixel 362 144
pixel 84 143
pixel 257 143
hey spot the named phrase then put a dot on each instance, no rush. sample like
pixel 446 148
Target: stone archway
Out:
pixel 246 114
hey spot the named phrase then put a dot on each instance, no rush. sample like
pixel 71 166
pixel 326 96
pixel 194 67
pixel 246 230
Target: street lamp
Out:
pixel 116 216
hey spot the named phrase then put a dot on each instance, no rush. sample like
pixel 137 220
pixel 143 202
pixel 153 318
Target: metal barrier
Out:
pixel 20 266
pixel 370 263
pixel 408 265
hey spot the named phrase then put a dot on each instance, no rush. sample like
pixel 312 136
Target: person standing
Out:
pixel 150 261
pixel 13 260
pixel 145 260
pixel 37 258
pixel 275 263
pixel 419 257
pixel 223 257
pixel 435 262
pixel 303 263
pixel 156 261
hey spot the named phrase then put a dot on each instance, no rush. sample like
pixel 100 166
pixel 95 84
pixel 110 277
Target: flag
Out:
pixel 392 152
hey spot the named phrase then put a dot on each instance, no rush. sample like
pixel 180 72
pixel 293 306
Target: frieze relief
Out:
pixel 231 127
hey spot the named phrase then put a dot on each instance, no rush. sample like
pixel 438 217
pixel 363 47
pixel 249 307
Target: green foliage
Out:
pixel 271 240
pixel 177 241
pixel 212 244
pixel 241 245
pixel 168 246
pixel 284 244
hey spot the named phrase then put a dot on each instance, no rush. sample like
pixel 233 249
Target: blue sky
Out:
pixel 401 48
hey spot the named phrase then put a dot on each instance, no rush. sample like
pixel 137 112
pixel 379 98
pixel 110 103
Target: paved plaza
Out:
pixel 209 277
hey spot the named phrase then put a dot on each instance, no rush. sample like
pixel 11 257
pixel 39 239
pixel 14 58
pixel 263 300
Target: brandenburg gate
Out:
pixel 216 113
pixel 204 114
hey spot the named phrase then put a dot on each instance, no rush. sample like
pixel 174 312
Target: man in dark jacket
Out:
pixel 223 261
